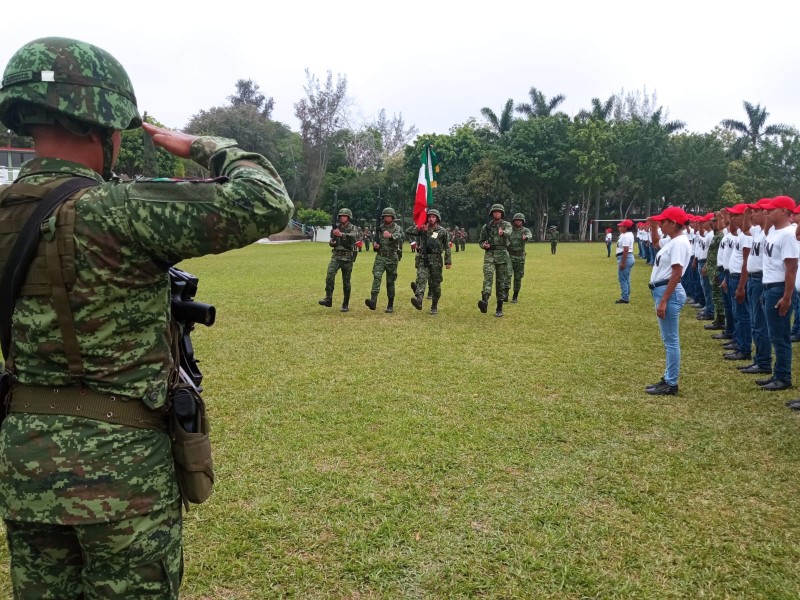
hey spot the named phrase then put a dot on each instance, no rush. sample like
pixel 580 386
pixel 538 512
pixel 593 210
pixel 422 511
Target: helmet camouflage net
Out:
pixel 498 207
pixel 60 80
pixel 388 212
pixel 436 214
pixel 519 217
pixel 345 212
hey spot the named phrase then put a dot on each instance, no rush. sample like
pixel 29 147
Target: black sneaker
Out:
pixel 776 386
pixel 755 370
pixel 621 301
pixel 655 385
pixel 722 336
pixel 663 389
pixel 763 382
pixel 715 326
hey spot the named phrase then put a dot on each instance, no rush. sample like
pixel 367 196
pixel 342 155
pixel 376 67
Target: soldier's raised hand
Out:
pixel 386 234
pixel 500 231
pixel 174 142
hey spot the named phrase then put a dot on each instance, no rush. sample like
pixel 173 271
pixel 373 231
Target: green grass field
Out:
pixel 366 455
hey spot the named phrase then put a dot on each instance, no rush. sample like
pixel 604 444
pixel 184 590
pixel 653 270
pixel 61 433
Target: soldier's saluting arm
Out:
pixel 448 253
pixel 244 201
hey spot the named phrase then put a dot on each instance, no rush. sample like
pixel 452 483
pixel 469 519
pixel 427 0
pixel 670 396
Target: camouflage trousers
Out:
pixel 330 280
pixel 429 270
pixel 716 294
pixel 516 271
pixel 389 266
pixel 140 557
pixel 499 270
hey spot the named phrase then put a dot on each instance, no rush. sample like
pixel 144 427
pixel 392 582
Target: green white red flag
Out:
pixel 425 184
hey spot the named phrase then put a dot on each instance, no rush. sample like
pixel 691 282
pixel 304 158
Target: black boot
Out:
pixel 417 302
pixel 326 301
pixel 499 311
pixel 435 307
pixel 346 302
pixel 483 303
pixel 414 287
pixel 390 306
pixel 372 302
pixel 514 298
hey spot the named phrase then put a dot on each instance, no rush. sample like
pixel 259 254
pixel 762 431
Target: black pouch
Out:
pixel 5 394
pixel 191 446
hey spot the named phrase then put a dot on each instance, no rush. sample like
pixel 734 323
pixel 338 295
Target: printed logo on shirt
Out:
pixel 768 248
pixel 658 260
pixel 757 249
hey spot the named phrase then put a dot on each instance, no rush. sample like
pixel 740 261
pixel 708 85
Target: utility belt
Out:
pixel 517 252
pixel 768 286
pixel 720 269
pixel 74 401
pixel 658 284
pixel 756 275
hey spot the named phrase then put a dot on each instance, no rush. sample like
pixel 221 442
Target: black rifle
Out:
pixel 378 210
pixel 185 314
pixel 334 219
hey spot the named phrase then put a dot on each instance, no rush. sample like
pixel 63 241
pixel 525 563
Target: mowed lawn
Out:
pixel 366 455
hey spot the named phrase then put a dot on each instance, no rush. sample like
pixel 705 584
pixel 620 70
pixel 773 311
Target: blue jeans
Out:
pixel 668 327
pixel 763 355
pixel 779 335
pixel 795 313
pixel 705 285
pixel 726 302
pixel 625 277
pixel 742 326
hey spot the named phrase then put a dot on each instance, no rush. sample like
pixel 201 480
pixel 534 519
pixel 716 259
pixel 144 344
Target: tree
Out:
pixel 248 94
pixel 312 217
pixel 591 143
pixel 698 169
pixel 394 133
pixel 320 115
pixel 500 125
pixel 539 105
pixel 601 111
pixel 753 132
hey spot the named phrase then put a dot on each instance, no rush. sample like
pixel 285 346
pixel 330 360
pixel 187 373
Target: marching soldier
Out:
pixel 343 255
pixel 516 250
pixel 387 246
pixel 494 239
pixel 432 241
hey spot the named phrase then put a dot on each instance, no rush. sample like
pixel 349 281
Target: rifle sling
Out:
pixel 23 252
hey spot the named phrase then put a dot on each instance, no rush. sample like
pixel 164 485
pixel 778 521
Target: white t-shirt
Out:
pixel 625 241
pixel 735 259
pixel 674 252
pixel 725 249
pixel 755 262
pixel 779 246
pixel 608 238
pixel 701 246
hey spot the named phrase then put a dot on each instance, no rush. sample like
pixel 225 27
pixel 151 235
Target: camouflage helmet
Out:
pixel 498 207
pixel 519 217
pixel 388 212
pixel 436 214
pixel 61 80
pixel 345 212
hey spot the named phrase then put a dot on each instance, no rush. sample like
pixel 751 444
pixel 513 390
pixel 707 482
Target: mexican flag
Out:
pixel 425 184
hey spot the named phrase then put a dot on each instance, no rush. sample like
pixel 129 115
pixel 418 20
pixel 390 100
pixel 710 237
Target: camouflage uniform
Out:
pixel 429 263
pixel 495 259
pixel 92 508
pixel 343 256
pixel 714 276
pixel 516 251
pixel 554 237
pixel 386 259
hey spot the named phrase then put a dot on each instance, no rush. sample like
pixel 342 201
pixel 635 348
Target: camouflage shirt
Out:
pixel 390 247
pixel 346 244
pixel 713 250
pixel 68 470
pixel 433 242
pixel 499 243
pixel 515 241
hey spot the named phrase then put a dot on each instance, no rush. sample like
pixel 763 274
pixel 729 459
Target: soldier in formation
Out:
pixel 516 250
pixel 388 244
pixel 495 239
pixel 433 241
pixel 343 255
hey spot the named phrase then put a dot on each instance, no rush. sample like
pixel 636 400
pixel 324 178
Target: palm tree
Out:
pixel 753 132
pixel 502 125
pixel 539 105
pixel 669 126
pixel 600 110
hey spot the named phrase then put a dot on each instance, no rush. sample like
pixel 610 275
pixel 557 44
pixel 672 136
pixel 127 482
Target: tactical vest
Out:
pixel 52 271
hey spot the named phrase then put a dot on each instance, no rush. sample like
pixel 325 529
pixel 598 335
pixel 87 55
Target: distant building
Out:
pixel 11 160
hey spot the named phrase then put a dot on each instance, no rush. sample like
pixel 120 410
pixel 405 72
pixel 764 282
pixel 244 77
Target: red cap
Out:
pixel 672 213
pixel 625 223
pixel 760 204
pixel 797 209
pixel 780 202
pixel 737 209
pixel 608 230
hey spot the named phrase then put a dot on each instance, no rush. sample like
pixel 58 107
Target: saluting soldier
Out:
pixel 343 255
pixel 387 247
pixel 88 487
pixel 494 239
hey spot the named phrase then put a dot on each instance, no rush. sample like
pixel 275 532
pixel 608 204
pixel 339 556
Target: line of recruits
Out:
pixel 504 258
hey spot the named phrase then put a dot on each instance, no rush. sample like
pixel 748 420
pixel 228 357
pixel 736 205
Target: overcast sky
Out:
pixel 440 62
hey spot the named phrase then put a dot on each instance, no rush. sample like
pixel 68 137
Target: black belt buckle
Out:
pixel 651 286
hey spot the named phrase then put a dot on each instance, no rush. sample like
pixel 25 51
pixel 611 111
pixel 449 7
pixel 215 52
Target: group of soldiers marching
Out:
pixel 504 257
